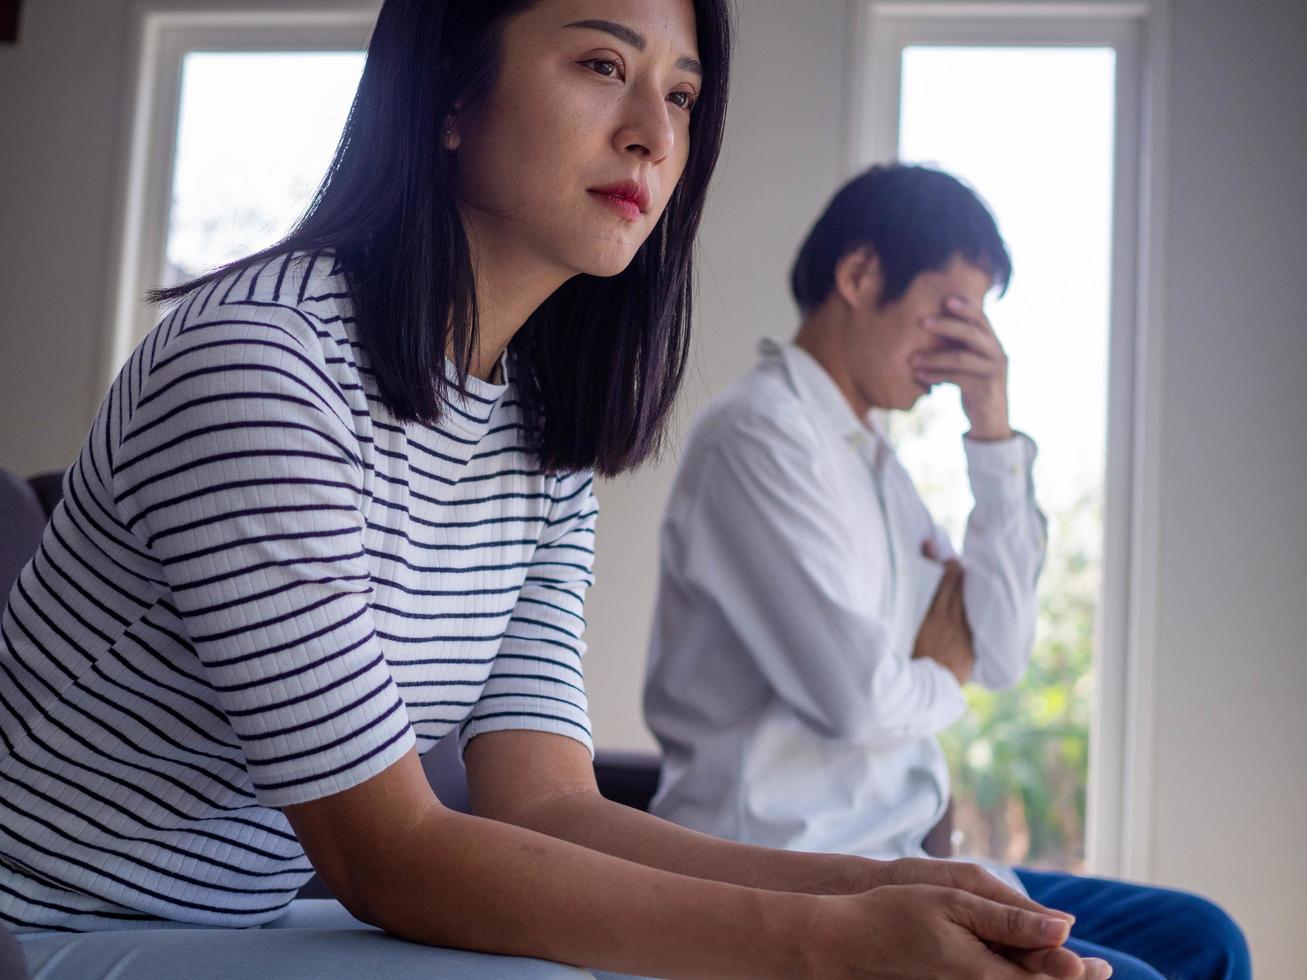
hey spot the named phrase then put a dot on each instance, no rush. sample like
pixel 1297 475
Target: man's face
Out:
pixel 881 345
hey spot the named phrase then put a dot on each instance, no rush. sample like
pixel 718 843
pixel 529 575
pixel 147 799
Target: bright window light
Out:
pixel 1032 130
pixel 256 134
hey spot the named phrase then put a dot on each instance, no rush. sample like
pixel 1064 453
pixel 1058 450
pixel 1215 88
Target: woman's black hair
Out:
pixel 599 364
pixel 914 218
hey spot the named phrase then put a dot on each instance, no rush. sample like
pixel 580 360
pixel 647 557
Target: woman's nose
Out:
pixel 648 129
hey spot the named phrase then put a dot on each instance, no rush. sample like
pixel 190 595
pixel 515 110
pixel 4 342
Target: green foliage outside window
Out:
pixel 1019 758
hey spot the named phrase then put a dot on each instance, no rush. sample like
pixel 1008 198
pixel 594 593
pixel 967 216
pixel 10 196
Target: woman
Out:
pixel 338 505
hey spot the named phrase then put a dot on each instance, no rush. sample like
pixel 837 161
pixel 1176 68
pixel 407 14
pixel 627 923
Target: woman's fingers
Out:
pixel 1008 925
pixel 1062 964
pixel 975 879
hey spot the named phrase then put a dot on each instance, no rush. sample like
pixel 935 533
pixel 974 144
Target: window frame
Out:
pixel 1120 808
pixel 163 33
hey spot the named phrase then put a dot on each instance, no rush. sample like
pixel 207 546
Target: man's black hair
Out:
pixel 914 218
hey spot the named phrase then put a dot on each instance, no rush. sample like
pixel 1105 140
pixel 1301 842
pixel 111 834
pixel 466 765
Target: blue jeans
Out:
pixel 1145 933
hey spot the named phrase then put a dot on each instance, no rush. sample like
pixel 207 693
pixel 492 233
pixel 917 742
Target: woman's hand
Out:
pixel 945 874
pixel 925 931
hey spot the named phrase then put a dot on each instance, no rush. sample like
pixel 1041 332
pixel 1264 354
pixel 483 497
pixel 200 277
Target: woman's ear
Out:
pixel 451 134
pixel 858 278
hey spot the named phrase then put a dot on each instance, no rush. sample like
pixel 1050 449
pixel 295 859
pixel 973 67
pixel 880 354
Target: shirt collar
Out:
pixel 819 394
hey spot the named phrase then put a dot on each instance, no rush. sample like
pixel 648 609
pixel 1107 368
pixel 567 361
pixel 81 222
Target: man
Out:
pixel 814 628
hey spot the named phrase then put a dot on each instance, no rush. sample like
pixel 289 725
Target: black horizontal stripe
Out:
pixel 253 597
pixel 352 735
pixel 510 676
pixel 247 512
pixel 131 885
pixel 136 859
pixel 289 645
pixel 524 714
pixel 236 485
pixel 443 593
pixel 253 425
pixel 346 767
pixel 441 638
pixel 285 617
pixel 249 570
pixel 191 465
pixel 270 681
pixel 310 695
pixel 7 888
pixel 208 401
pixel 317 720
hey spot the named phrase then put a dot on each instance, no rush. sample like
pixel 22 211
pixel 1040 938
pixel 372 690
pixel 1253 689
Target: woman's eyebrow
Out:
pixel 634 38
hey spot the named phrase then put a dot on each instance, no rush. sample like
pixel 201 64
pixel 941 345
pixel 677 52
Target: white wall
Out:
pixel 1231 722
pixel 1231 779
pixel 61 112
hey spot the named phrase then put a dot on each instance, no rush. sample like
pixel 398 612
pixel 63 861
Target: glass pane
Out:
pixel 255 136
pixel 1032 130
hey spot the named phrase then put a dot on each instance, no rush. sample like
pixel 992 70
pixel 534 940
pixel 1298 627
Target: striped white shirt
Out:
pixel 259 590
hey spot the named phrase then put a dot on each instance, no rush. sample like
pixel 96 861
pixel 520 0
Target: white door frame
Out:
pixel 1120 820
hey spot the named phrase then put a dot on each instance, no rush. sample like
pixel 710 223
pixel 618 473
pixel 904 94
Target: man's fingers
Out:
pixel 955 363
pixel 1008 925
pixel 961 307
pixel 971 334
pixel 956 607
pixel 948 584
pixel 953 573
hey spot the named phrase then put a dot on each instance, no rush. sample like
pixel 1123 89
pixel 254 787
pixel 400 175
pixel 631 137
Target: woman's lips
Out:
pixel 624 206
pixel 629 198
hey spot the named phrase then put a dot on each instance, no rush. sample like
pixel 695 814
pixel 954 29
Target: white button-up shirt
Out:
pixel 781 683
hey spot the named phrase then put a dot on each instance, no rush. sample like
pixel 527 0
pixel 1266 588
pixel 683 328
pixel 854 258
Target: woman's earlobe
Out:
pixel 451 138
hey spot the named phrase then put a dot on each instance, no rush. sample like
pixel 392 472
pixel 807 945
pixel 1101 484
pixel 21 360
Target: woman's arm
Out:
pixel 546 783
pixel 398 859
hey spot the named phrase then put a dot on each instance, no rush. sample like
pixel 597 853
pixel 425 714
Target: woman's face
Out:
pixel 573 155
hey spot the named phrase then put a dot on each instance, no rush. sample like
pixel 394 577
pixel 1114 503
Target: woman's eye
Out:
pixel 604 67
pixel 684 100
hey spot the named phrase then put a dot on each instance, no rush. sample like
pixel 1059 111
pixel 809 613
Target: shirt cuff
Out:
pixel 948 702
pixel 1000 469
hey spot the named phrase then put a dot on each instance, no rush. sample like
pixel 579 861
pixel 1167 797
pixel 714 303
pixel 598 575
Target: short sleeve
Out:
pixel 240 471
pixel 537 682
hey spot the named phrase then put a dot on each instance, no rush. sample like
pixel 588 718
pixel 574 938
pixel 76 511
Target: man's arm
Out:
pixel 1006 533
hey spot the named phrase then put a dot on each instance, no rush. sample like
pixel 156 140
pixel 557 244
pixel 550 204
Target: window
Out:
pixel 257 131
pixel 237 115
pixel 1037 106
